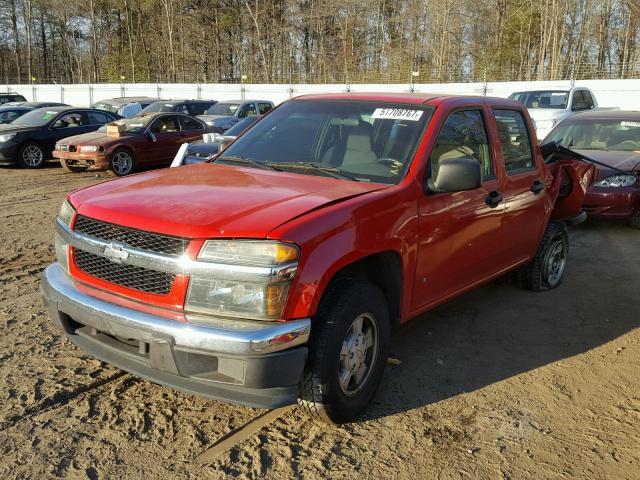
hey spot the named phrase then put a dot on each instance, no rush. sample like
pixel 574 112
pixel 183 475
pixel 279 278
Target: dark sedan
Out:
pixel 611 137
pixel 211 143
pixel 12 110
pixel 30 139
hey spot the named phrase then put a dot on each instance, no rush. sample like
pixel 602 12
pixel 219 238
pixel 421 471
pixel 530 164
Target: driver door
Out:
pixel 66 125
pixel 166 130
pixel 460 233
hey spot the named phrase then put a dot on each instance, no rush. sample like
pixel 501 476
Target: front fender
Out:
pixel 339 235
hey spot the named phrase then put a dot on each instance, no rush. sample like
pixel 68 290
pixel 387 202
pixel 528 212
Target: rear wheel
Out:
pixel 31 155
pixel 547 268
pixel 122 162
pixel 69 167
pixel 347 352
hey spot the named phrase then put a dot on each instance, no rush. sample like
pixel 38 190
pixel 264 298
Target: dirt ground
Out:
pixel 498 384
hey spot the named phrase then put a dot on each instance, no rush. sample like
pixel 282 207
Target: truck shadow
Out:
pixel 500 331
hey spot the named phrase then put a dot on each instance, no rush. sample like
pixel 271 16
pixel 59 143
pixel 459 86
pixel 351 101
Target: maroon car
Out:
pixel 611 137
pixel 148 140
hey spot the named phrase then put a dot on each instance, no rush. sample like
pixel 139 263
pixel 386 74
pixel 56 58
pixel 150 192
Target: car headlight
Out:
pixel 65 216
pixel 261 298
pixel 88 148
pixel 7 136
pixel 617 181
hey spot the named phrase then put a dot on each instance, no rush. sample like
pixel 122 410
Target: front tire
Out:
pixel 31 155
pixel 122 162
pixel 547 267
pixel 347 352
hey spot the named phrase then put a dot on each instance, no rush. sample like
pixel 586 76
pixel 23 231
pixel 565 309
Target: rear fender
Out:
pixel 571 179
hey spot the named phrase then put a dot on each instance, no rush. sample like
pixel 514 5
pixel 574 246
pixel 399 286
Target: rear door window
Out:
pixel 463 135
pixel 514 140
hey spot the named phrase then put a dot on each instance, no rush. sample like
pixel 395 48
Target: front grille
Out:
pixel 152 242
pixel 130 276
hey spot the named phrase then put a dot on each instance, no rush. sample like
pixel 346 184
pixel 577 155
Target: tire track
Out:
pixel 58 400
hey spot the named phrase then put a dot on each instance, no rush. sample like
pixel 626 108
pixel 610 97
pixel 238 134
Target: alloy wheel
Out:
pixel 32 156
pixel 122 163
pixel 358 354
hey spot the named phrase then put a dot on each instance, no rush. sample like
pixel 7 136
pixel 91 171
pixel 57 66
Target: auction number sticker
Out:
pixel 397 114
pixel 630 124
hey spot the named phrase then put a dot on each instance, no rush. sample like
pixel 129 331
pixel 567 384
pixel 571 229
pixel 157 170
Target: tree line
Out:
pixel 317 41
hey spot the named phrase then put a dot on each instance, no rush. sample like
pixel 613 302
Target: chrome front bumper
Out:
pixel 248 362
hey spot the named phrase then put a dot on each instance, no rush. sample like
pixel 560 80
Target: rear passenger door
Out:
pixel 524 190
pixel 460 233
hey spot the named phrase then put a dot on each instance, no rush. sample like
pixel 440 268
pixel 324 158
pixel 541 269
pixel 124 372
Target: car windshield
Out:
pixel 223 108
pixel 598 134
pixel 105 106
pixel 542 99
pixel 357 140
pixel 241 126
pixel 131 125
pixel 35 118
pixel 159 107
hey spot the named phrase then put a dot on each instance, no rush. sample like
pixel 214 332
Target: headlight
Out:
pixel 88 148
pixel 7 136
pixel 62 249
pixel 259 299
pixel 617 181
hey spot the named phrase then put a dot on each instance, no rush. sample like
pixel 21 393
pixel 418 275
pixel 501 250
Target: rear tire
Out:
pixel 347 352
pixel 31 155
pixel 547 268
pixel 122 162
pixel 72 168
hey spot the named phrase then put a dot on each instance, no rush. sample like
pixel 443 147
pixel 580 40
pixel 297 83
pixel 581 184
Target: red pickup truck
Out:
pixel 276 273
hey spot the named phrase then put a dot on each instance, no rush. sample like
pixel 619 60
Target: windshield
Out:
pixel 241 126
pixel 105 106
pixel 542 99
pixel 222 108
pixel 35 118
pixel 158 107
pixel 598 134
pixel 360 140
pixel 131 125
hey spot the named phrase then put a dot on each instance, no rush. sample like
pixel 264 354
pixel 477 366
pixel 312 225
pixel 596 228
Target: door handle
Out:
pixel 493 199
pixel 537 186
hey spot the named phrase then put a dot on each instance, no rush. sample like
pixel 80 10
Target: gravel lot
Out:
pixel 498 384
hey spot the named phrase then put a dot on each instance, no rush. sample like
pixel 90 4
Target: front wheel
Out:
pixel 31 155
pixel 347 352
pixel 122 162
pixel 547 268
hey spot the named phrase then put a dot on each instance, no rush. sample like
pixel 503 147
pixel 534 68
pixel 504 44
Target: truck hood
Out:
pixel 209 200
pixel 624 160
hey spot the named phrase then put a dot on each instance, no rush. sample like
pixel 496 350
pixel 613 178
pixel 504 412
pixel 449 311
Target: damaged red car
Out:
pixel 276 272
pixel 611 138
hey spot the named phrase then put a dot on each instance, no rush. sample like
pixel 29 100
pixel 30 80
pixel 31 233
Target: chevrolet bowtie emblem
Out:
pixel 115 253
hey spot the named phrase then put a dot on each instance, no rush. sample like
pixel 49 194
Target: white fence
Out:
pixel 623 94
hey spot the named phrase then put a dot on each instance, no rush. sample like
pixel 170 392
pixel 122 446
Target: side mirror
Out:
pixel 456 175
pixel 152 136
pixel 549 149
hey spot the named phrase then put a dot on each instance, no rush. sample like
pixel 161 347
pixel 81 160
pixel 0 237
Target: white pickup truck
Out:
pixel 550 107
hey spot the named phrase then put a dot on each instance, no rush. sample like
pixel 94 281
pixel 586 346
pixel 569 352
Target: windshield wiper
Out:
pixel 329 171
pixel 246 161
